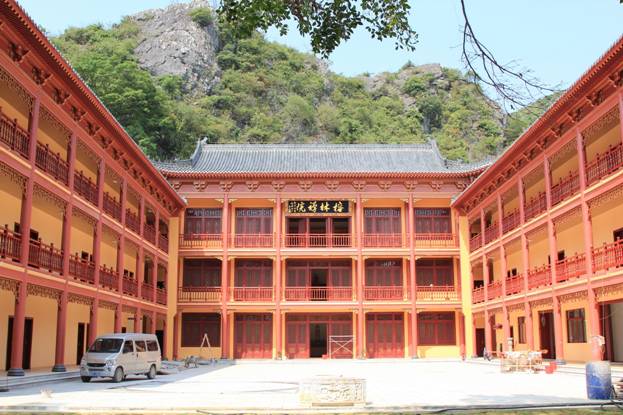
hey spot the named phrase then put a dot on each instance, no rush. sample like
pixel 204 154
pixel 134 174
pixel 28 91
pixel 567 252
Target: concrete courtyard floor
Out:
pixel 272 386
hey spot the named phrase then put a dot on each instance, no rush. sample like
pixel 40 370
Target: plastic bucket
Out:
pixel 598 380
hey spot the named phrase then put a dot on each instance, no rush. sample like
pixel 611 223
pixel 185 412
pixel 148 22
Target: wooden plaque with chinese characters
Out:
pixel 318 207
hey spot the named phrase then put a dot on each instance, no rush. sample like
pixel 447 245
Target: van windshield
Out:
pixel 104 345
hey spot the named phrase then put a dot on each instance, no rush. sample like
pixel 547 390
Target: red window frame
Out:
pixel 433 220
pixel 437 328
pixel 382 221
pixel 436 272
pixel 576 326
pixel 383 273
pixel 253 273
pixel 298 273
pixel 203 221
pixel 385 335
pixel 201 272
pixel 521 330
pixel 195 325
pixel 254 221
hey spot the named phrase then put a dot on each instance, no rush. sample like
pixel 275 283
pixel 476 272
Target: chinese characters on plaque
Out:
pixel 318 207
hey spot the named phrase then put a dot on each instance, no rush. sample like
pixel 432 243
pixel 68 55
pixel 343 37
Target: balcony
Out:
pixel 382 240
pixel 259 240
pixel 51 163
pixel 539 277
pixel 201 240
pixel 13 136
pixel 475 242
pixel 130 286
pixel 112 207
pixel 608 256
pixel 565 188
pixel 491 232
pixel 511 221
pixel 435 240
pixel 149 233
pixel 605 164
pixel 437 293
pixel 81 269
pixel 494 290
pixel 132 221
pixel 45 257
pixel 161 296
pixel 383 293
pixel 478 295
pixel 199 294
pixel 319 240
pixel 10 244
pixel 535 206
pixel 318 294
pixel 147 291
pixel 514 285
pixel 571 267
pixel 85 187
pixel 251 294
pixel 109 278
pixel 163 243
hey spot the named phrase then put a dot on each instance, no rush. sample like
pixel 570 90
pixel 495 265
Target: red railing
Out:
pixel 163 243
pixel 539 277
pixel 382 240
pixel 149 233
pixel 380 293
pixel 45 256
pixel 491 232
pixel 81 269
pixel 318 294
pixel 51 163
pixel 478 295
pixel 605 164
pixel 10 244
pixel 301 240
pixel 161 296
pixel 514 285
pixel 570 267
pixel 109 278
pixel 437 293
pixel 132 221
pixel 434 240
pixel 147 291
pixel 566 187
pixel 511 221
pixel 14 136
pixel 252 293
pixel 475 242
pixel 259 240
pixel 130 286
pixel 201 240
pixel 494 290
pixel 112 206
pixel 199 294
pixel 608 256
pixel 535 206
pixel 85 187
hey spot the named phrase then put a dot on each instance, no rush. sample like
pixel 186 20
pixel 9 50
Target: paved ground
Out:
pixel 274 385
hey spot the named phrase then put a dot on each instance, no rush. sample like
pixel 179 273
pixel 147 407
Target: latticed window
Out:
pixel 202 273
pixel 202 221
pixel 436 328
pixel 384 273
pixel 253 273
pixel 521 329
pixel 434 272
pixel 381 220
pixel 299 273
pixel 196 325
pixel 576 326
pixel 253 221
pixel 432 220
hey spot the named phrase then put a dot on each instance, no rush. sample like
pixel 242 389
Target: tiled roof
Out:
pixel 316 158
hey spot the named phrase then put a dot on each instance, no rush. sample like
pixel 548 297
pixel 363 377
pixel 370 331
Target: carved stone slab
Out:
pixel 332 391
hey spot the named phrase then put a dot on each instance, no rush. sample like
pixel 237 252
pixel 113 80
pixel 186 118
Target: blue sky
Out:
pixel 557 39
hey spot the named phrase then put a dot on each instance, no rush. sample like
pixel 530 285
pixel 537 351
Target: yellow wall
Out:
pixel 600 145
pixel 112 185
pixel 53 136
pixel 76 313
pixel 81 235
pixel 129 259
pixel 105 321
pixel 575 352
pixel 7 305
pixel 513 316
pixel 514 259
pixel 43 312
pixel 562 169
pixel 538 249
pixel 10 194
pixel 87 165
pixel 445 351
pixel 508 206
pixel 570 237
pixel 605 218
pixel 535 188
pixel 12 105
pixel 47 220
pixel 109 250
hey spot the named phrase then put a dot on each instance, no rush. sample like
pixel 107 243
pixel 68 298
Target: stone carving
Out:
pixel 226 185
pixel 609 292
pixel 332 391
pixel 8 284
pixel 359 185
pixel 575 297
pixel 40 291
pixel 252 185
pixel 278 185
pixel 107 305
pixel 200 185
pixel 435 185
pixel 40 75
pixel 332 185
pixel 17 52
pixel 305 185
pixel 79 299
pixel 410 185
pixel 60 96
pixel 385 185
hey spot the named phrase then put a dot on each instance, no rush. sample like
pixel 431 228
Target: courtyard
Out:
pixel 272 386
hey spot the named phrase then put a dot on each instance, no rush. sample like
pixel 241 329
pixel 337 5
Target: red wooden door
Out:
pixel 253 336
pixel 384 335
pixel 297 341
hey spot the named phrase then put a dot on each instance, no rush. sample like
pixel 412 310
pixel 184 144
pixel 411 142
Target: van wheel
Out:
pixel 118 376
pixel 152 372
pixel 85 379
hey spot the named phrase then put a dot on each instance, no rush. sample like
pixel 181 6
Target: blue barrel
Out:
pixel 598 380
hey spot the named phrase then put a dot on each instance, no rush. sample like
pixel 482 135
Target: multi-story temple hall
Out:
pixel 302 251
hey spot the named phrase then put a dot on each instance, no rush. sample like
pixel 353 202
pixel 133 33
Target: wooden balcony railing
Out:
pixel 514 285
pixel 132 221
pixel 85 187
pixel 478 295
pixel 494 290
pixel 382 240
pixel 149 233
pixel 130 286
pixel 608 256
pixel 511 221
pixel 10 244
pixel 570 267
pixel 491 232
pixel 161 296
pixel 199 294
pixel 383 293
pixel 318 294
pixel 45 256
pixel 112 206
pixel 437 293
pixel 81 269
pixel 435 240
pixel 147 291
pixel 109 278
pixel 535 206
pixel 565 188
pixel 259 240
pixel 163 243
pixel 51 163
pixel 252 294
pixel 316 240
pixel 201 240
pixel 475 242
pixel 605 164
pixel 539 277
pixel 13 136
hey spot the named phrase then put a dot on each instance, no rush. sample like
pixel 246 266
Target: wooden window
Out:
pixel 253 273
pixel 432 220
pixel 382 220
pixel 298 273
pixel 436 329
pixel 254 221
pixel 202 273
pixel 384 273
pixel 195 325
pixel 434 272
pixel 576 326
pixel 202 221
pixel 521 330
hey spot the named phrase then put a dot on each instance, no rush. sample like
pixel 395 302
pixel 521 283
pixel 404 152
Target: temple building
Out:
pixel 302 251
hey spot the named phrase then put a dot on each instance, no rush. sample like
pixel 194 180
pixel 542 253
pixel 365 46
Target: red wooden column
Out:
pixel 277 283
pixel 97 240
pixel 17 344
pixel 141 215
pixel 67 217
pixel 360 277
pixel 461 334
pixel 140 270
pixel 118 318
pixel 93 320
pixel 157 227
pixel 412 276
pixel 474 345
pixel 621 113
pixel 488 336
pixel 154 277
pixel 153 322
pixel 165 349
pixel 61 323
pixel 121 247
pixel 176 335
pixel 225 278
pixel 525 259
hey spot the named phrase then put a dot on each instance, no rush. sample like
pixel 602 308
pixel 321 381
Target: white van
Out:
pixel 121 354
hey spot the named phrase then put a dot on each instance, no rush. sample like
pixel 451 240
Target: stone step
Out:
pixel 11 382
